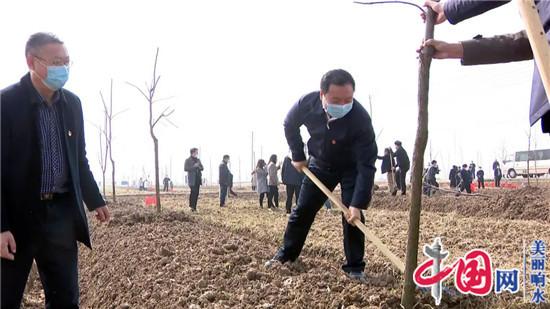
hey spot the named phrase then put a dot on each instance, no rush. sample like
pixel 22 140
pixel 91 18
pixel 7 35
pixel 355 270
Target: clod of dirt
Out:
pixel 230 247
pixel 124 306
pixel 287 282
pixel 209 296
pixel 194 306
pixel 217 251
pixel 165 252
pixel 252 275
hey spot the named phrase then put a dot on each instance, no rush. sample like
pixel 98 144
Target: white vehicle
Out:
pixel 539 164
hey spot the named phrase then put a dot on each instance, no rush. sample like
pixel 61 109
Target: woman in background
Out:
pixel 260 174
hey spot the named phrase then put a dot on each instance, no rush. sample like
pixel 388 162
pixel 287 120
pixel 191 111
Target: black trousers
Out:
pixel 480 183
pixel 262 196
pixel 273 195
pixel 400 180
pixel 52 244
pixel 291 192
pixel 310 202
pixel 466 187
pixel 165 189
pixel 194 196
pixel 497 181
pixel 223 194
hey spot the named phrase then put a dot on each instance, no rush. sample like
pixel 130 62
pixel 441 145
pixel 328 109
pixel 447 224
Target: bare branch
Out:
pixel 140 91
pixel 121 112
pixel 163 115
pixel 163 99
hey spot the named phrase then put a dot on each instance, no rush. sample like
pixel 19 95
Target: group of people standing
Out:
pixel 266 182
pixel 461 179
pixel 396 165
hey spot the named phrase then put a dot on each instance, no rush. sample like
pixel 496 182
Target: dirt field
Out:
pixel 214 258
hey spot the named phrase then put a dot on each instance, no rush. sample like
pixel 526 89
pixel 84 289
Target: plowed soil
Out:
pixel 215 258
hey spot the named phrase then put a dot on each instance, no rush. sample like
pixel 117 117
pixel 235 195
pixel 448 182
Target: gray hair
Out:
pixel 40 39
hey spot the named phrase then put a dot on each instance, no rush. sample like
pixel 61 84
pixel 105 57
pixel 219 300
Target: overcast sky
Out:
pixel 233 67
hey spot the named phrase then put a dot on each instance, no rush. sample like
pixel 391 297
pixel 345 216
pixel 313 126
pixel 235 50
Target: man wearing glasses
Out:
pixel 45 179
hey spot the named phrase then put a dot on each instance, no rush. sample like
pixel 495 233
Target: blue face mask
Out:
pixel 338 111
pixel 56 77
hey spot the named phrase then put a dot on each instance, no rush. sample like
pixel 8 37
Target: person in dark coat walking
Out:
pixel 388 164
pixel 402 167
pixel 480 178
pixel 497 49
pixel 225 179
pixel 466 179
pixel 292 179
pixel 46 179
pixel 433 170
pixel 472 168
pixel 497 173
pixel 194 168
pixel 452 176
pixel 166 183
pixel 343 150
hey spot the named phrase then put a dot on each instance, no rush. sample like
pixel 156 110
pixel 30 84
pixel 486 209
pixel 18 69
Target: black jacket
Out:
pixel 194 173
pixel 289 174
pixel 466 177
pixel 504 48
pixel 225 176
pixel 402 159
pixel 452 176
pixel 21 159
pixel 345 143
pixel 387 164
pixel 480 174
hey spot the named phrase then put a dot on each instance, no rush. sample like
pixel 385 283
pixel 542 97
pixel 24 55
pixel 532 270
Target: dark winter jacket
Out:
pixel 289 174
pixel 402 159
pixel 504 48
pixel 194 168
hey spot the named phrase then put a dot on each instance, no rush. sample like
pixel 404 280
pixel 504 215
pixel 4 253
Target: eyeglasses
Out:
pixel 56 62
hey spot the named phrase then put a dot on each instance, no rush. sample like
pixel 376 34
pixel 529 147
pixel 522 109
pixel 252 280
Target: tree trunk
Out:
pixel 114 183
pixel 408 298
pixel 157 183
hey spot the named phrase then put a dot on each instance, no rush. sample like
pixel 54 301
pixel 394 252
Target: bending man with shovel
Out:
pixel 343 150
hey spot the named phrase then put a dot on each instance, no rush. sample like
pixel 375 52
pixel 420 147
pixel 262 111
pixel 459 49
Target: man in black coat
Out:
pixel 473 170
pixel 194 168
pixel 225 180
pixel 342 151
pixel 403 165
pixel 452 176
pixel 466 178
pixel 45 179
pixel 497 172
pixel 497 49
pixel 480 178
pixel 292 179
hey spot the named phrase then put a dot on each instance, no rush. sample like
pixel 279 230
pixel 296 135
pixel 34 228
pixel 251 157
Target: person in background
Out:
pixel 260 175
pixel 402 167
pixel 495 164
pixel 194 168
pixel 433 170
pixel 141 184
pixel 388 164
pixel 225 179
pixel 497 172
pixel 292 179
pixel 166 183
pixel 480 178
pixel 473 170
pixel 452 177
pixel 273 183
pixel 466 179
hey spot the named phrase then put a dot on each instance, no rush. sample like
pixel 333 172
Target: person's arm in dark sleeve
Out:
pixel 90 191
pixel 460 10
pixel 292 124
pixel 188 165
pixel 365 152
pixel 5 149
pixel 201 168
pixel 497 49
